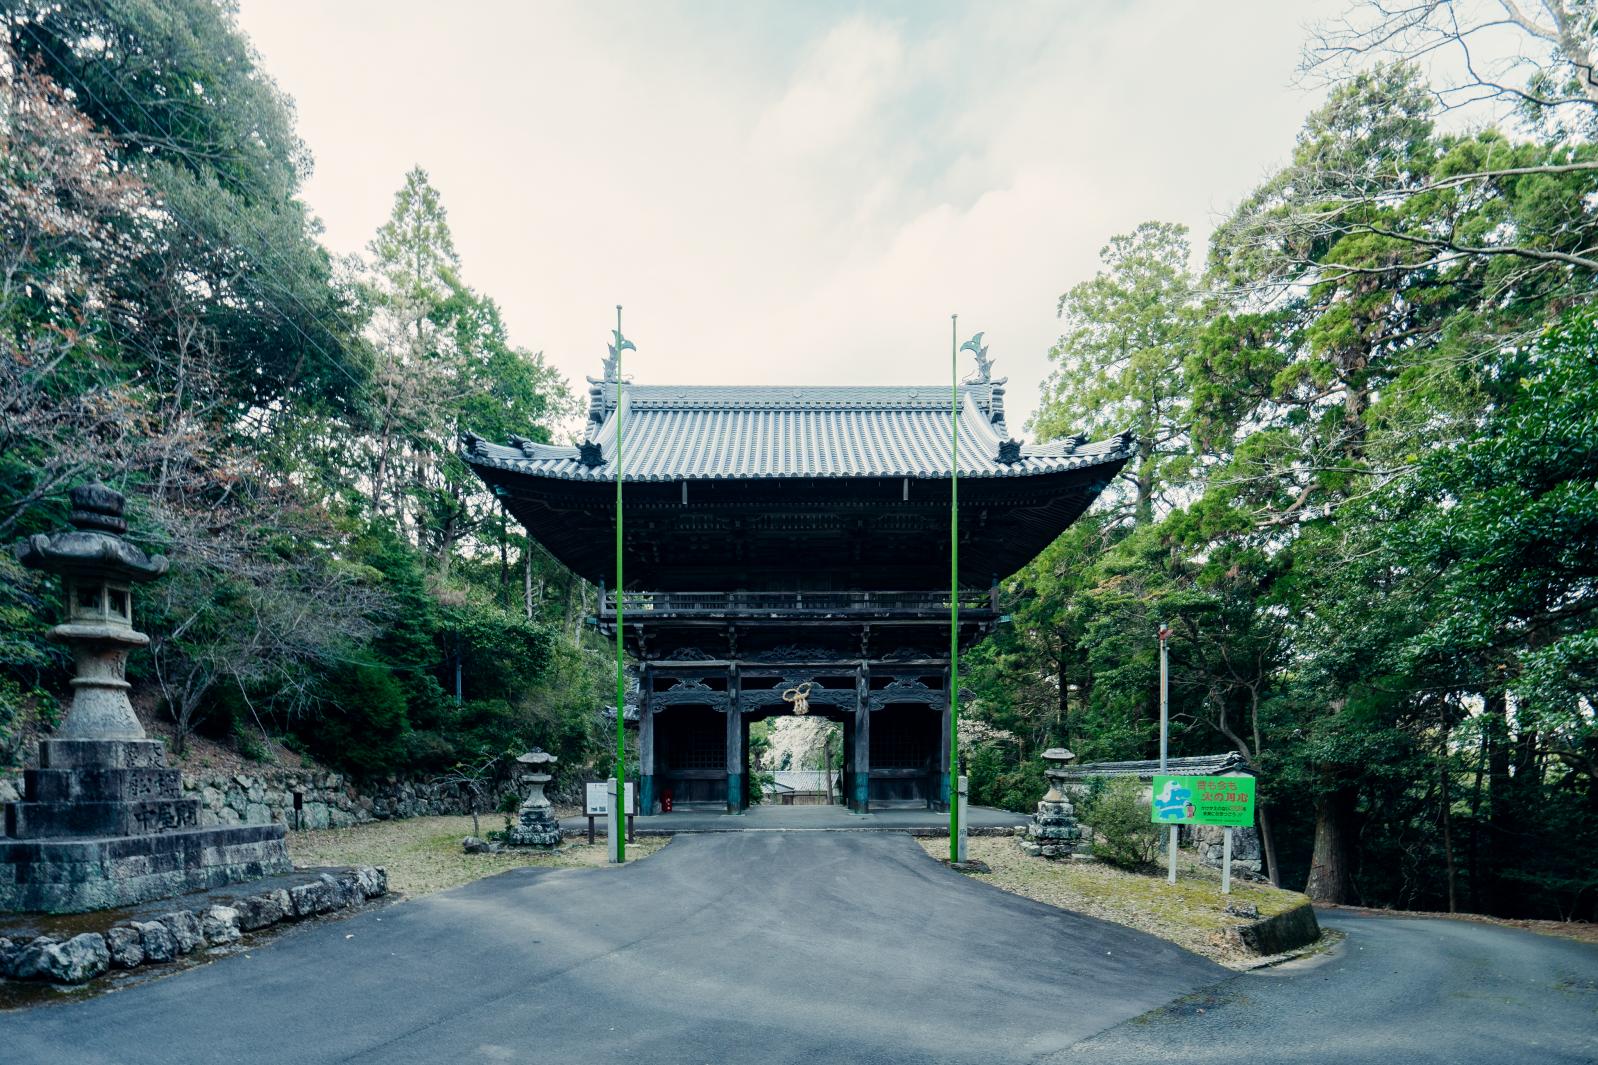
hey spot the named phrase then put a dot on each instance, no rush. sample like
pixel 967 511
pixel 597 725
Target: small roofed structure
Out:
pixel 1232 762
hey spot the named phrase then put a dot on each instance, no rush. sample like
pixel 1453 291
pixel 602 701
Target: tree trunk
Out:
pixel 527 579
pixel 1331 871
pixel 1501 806
pixel 1268 845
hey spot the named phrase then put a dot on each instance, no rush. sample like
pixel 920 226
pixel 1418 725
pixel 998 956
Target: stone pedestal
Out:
pixel 1054 832
pixel 103 822
pixel 536 825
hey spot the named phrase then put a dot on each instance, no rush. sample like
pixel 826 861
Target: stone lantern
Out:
pixel 536 823
pixel 1053 832
pixel 97 570
pixel 103 821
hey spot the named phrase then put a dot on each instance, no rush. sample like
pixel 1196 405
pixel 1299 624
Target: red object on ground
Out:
pixel 665 801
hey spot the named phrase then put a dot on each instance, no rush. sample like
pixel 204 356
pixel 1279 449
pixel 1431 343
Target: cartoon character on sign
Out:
pixel 1173 803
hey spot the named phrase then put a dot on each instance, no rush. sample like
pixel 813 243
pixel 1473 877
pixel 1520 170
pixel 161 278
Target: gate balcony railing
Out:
pixel 745 604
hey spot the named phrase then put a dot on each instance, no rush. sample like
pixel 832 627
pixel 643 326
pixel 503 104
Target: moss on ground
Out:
pixel 423 854
pixel 1190 913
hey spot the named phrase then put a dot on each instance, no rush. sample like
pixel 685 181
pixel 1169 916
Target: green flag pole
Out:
pixel 621 676
pixel 954 589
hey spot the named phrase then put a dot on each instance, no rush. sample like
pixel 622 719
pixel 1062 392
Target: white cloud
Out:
pixel 784 192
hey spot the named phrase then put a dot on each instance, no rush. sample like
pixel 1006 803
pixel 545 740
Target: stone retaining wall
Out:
pixel 326 799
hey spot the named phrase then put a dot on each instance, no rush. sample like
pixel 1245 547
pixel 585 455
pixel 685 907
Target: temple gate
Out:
pixel 785 536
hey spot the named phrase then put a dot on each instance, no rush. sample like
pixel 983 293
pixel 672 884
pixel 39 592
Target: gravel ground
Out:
pixel 423 854
pixel 1191 914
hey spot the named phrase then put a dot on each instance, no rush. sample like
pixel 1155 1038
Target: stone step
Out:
pixel 101 785
pixel 47 820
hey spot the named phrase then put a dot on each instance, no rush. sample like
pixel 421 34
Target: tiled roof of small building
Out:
pixel 717 432
pixel 1195 766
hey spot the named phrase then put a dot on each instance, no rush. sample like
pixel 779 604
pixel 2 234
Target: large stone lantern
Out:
pixel 536 824
pixel 103 821
pixel 97 570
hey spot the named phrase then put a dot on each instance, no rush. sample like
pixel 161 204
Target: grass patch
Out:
pixel 423 854
pixel 1190 913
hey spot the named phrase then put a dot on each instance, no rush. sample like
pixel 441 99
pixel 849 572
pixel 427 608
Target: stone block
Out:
pixel 96 754
pixel 156 940
pixel 311 899
pixel 72 961
pixel 47 820
pixel 1277 935
pixel 220 925
pixel 373 882
pixel 258 911
pixel 126 945
pixel 101 784
pixel 344 889
pixel 9 952
pixel 187 933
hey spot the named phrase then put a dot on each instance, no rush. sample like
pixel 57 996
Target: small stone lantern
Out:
pixel 97 569
pixel 536 824
pixel 1054 832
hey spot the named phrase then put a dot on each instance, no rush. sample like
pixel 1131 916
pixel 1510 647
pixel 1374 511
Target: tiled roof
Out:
pixel 731 432
pixel 1193 766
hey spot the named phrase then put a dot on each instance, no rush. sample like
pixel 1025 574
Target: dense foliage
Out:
pixel 285 424
pixel 1363 501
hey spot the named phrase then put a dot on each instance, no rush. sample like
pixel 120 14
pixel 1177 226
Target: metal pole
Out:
pixel 1165 731
pixel 619 848
pixel 1226 860
pixel 955 850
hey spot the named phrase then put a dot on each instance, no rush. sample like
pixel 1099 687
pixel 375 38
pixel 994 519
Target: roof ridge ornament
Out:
pixel 984 374
pixel 617 345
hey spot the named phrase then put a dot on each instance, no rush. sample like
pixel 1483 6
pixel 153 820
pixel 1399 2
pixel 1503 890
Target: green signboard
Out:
pixel 1203 801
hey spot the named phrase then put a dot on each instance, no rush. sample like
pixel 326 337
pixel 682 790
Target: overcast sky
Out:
pixel 787 192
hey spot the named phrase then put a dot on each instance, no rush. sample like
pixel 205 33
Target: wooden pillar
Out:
pixel 646 740
pixel 735 743
pixel 860 800
pixel 940 800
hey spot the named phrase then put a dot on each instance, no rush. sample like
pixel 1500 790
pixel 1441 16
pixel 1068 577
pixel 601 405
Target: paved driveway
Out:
pixel 1397 990
pixel 725 948
pixel 766 947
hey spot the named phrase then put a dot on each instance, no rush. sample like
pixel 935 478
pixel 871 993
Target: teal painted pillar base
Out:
pixel 646 794
pixel 941 800
pixel 735 793
pixel 862 794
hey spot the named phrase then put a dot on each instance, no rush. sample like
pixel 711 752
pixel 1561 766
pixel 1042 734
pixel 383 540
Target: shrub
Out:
pixel 1124 835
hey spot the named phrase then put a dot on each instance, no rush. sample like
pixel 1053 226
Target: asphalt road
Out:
pixel 1396 990
pixel 814 947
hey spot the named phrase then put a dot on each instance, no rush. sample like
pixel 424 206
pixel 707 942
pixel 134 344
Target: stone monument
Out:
pixel 536 825
pixel 1054 832
pixel 103 821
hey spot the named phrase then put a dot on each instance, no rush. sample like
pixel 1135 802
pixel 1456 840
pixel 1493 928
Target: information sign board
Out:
pixel 595 803
pixel 1215 800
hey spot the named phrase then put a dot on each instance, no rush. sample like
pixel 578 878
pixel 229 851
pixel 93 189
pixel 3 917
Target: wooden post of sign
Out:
pixel 613 820
pixel 1226 860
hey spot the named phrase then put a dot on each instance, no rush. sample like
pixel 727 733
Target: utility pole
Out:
pixel 1165 735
